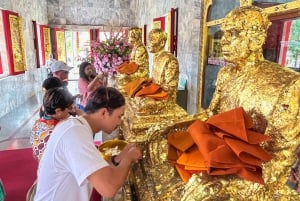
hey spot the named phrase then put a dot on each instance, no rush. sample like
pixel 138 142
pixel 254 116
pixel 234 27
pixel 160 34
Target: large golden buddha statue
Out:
pixel 139 57
pixel 269 94
pixel 148 109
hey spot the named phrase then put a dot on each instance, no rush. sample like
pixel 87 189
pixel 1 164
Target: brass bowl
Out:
pixel 111 147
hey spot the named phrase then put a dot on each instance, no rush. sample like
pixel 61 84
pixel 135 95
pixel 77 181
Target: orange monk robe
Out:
pixel 225 145
pixel 128 68
pixel 144 87
pixel 184 154
pixel 229 147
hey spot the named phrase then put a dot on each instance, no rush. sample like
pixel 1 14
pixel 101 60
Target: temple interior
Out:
pixel 215 66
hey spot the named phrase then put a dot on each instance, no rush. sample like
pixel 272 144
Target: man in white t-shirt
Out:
pixel 71 165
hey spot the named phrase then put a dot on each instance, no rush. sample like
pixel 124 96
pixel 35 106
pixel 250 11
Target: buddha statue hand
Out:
pixel 211 188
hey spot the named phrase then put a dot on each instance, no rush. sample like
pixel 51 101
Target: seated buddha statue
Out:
pixel 268 93
pixel 147 109
pixel 165 73
pixel 138 65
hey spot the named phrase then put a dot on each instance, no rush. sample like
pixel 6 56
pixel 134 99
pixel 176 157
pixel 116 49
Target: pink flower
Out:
pixel 109 54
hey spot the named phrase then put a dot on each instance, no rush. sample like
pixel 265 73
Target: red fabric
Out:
pixel 95 196
pixel 18 171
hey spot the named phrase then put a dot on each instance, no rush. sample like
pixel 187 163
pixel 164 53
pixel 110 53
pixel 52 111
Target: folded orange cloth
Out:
pixel 178 143
pixel 228 147
pixel 132 87
pixel 185 175
pixel 237 122
pixel 128 68
pixel 148 88
pixel 161 95
pixel 144 87
pixel 180 140
pixel 225 145
pixel 192 160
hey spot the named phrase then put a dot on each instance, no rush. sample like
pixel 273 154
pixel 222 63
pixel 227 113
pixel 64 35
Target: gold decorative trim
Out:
pixel 203 46
pixel 47 42
pixel 245 3
pixel 283 7
pixel 17 41
pixel 61 45
pixel 214 22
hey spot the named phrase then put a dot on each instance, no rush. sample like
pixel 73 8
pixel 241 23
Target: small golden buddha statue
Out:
pixel 268 92
pixel 143 112
pixel 165 72
pixel 138 56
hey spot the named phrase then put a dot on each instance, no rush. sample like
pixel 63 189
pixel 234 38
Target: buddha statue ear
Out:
pixel 257 42
pixel 162 43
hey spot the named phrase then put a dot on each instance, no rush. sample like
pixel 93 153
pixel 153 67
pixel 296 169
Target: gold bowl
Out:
pixel 111 147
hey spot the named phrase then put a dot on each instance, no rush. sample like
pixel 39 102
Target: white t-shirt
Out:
pixel 70 157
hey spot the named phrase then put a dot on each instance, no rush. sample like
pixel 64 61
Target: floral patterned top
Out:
pixel 40 134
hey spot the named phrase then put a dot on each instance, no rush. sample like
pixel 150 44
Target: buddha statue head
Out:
pixel 134 35
pixel 157 40
pixel 243 38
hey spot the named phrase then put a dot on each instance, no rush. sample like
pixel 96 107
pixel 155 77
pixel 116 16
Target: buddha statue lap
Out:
pixel 270 95
pixel 138 56
pixel 143 112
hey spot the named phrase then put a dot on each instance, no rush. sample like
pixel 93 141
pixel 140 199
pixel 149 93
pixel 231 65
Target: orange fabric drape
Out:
pixel 128 68
pixel 225 145
pixel 144 87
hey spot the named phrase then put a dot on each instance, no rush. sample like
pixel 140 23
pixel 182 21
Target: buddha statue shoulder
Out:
pixel 268 93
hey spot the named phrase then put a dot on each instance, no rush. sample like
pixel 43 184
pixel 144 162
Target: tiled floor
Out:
pixel 16 126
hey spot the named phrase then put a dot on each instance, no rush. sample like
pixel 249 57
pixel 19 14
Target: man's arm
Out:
pixel 108 180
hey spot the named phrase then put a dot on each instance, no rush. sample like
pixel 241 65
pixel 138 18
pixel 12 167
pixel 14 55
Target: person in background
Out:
pixel 60 70
pixel 88 81
pixel 58 103
pixel 49 83
pixel 72 165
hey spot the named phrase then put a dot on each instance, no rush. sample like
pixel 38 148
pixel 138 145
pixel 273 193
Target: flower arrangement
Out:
pixel 107 55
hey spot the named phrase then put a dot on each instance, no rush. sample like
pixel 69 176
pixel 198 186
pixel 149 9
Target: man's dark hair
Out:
pixel 52 82
pixel 104 97
pixel 57 98
pixel 82 67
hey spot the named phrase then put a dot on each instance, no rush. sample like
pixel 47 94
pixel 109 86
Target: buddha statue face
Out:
pixel 134 35
pixel 243 38
pixel 157 40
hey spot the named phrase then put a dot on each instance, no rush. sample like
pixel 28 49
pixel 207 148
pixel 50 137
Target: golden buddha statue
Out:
pixel 165 73
pixel 138 56
pixel 268 92
pixel 143 112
